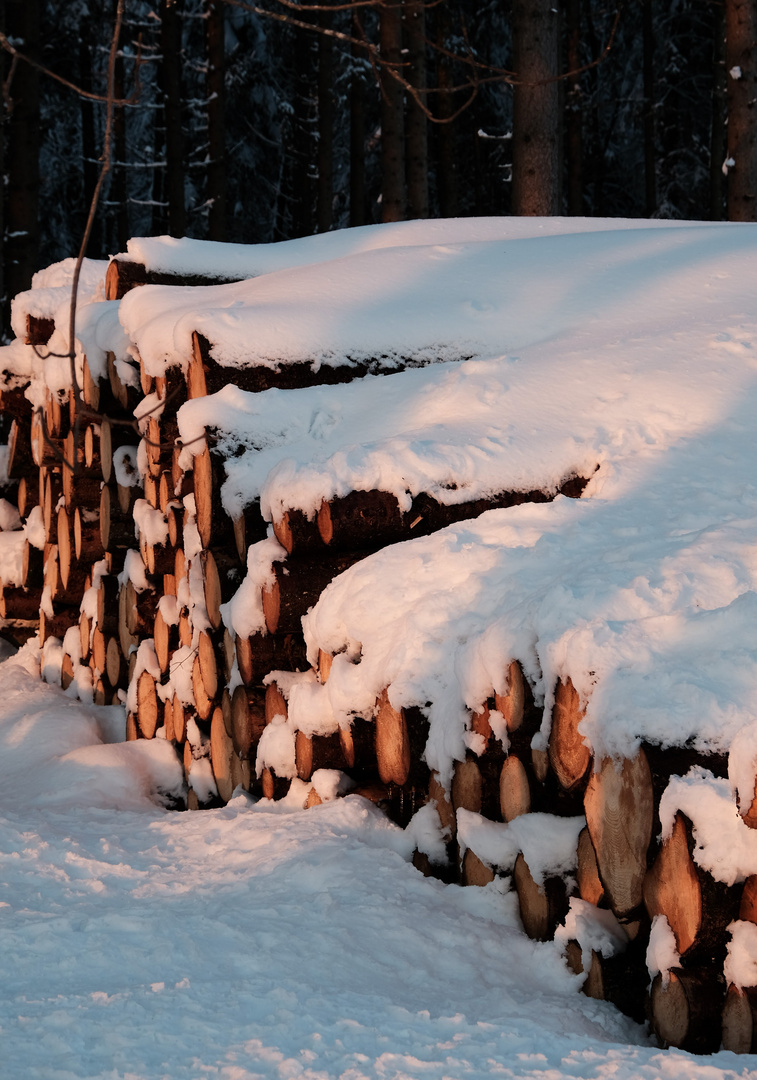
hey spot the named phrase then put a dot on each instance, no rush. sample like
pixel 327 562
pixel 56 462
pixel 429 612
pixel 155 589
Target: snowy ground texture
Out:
pixel 258 941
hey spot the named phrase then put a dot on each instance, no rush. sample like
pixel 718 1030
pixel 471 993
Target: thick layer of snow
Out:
pixel 259 940
pixel 166 254
pixel 432 302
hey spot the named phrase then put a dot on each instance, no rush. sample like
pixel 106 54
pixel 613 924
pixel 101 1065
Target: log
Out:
pixel 359 749
pixel 467 786
pixel 697 907
pixel 88 544
pixel 209 511
pixel 125 396
pixel 113 435
pixel 57 624
pixel 168 720
pixel 39 330
pixel 620 979
pixel 115 666
pixel 318 752
pixel 274 787
pixel 672 889
pixel 247 719
pixel 392 742
pixel 52 493
pixel 107 604
pixel 297 586
pixel 297 533
pixel 687 1012
pixel 21 463
pixel 475 872
pixel 261 653
pixel 444 807
pixel 748 904
pixel 275 703
pixel 204 701
pixel 122 276
pixel 27 496
pixel 568 755
pixel 32 567
pixel 147 705
pixel 249 528
pixel 166 640
pixel 241 773
pixel 98 650
pixel 116 525
pixel 75 476
pixel 20 604
pixel 739 1030
pixel 179 720
pixel 373 518
pixel 361 519
pixel 514 789
pixel 542 907
pixel 221 753
pixel 85 632
pixel 47 451
pixel 590 887
pixel 619 807
pixel 512 703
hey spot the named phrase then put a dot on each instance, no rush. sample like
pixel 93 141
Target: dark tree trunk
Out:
pixel 88 144
pixel 304 125
pixel 170 41
pixel 536 178
pixel 118 191
pixel 357 131
pixel 325 204
pixel 21 253
pixel 216 189
pixel 392 120
pixel 650 181
pixel 741 82
pixel 447 171
pixel 718 146
pixel 416 124
pixel 574 111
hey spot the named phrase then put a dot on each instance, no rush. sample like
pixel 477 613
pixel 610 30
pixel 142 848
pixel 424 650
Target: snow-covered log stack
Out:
pixel 337 528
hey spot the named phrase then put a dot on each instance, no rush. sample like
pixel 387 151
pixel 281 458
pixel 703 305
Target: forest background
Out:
pixel 258 122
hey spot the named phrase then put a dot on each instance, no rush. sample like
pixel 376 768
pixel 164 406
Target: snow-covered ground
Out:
pixel 137 943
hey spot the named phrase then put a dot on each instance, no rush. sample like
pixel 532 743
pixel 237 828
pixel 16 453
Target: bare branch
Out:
pixel 14 52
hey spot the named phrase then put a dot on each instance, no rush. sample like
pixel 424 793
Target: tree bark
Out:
pixel 741 85
pixel 392 117
pixel 357 130
pixel 535 144
pixel 216 176
pixel 416 124
pixel 170 42
pixel 23 19
pixel 325 199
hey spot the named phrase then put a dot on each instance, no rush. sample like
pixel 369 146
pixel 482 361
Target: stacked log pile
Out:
pixel 141 587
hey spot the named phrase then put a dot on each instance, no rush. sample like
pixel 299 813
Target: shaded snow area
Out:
pixel 257 940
